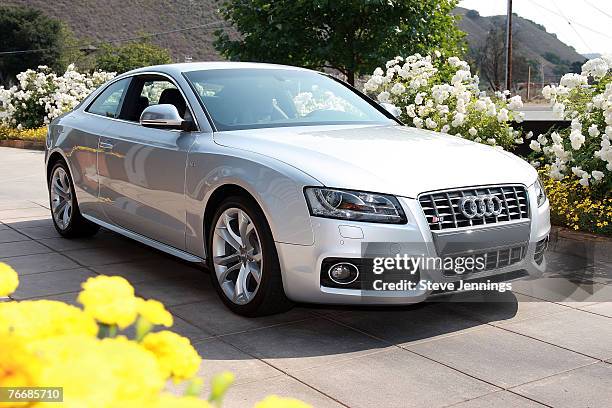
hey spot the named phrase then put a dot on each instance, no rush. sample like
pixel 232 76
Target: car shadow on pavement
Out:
pixel 54 268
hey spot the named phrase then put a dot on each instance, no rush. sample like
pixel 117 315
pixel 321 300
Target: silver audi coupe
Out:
pixel 279 179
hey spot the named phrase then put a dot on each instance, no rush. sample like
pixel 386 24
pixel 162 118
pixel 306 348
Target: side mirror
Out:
pixel 392 109
pixel 164 116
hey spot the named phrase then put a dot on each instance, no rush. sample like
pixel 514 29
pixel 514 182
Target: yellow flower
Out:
pixel 8 280
pixel 18 366
pixel 175 354
pixel 274 401
pixel 39 319
pixel 136 369
pixel 154 312
pixel 110 300
pixel 77 364
pixel 171 401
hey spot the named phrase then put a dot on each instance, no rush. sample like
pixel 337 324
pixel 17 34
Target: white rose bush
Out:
pixel 41 95
pixel 441 94
pixel 583 152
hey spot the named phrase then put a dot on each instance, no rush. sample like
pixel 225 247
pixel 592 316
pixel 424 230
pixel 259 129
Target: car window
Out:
pixel 149 90
pixel 255 98
pixel 108 103
pixel 152 90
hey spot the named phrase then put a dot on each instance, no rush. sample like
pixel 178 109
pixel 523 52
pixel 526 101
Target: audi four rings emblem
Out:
pixel 481 206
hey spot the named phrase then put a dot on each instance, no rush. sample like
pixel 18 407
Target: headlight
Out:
pixel 354 205
pixel 540 193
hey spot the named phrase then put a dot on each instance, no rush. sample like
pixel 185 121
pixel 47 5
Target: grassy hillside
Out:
pixel 105 20
pixel 530 39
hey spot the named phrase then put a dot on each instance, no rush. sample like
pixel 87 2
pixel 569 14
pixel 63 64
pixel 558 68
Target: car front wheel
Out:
pixel 67 218
pixel 243 260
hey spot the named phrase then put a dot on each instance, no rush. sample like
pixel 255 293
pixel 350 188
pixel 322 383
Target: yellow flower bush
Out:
pixel 154 312
pixel 11 133
pixel 39 319
pixel 274 401
pixel 110 300
pixel 574 206
pixel 46 343
pixel 177 357
pixel 8 280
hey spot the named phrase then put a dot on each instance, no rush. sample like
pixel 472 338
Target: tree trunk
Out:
pixel 350 77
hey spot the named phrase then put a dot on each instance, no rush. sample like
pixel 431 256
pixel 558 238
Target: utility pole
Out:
pixel 528 80
pixel 509 45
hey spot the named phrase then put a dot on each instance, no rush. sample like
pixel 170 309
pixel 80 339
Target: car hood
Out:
pixel 389 159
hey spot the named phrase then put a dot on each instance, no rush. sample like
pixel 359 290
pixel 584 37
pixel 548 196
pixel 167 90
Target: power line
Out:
pixel 139 37
pixel 598 9
pixel 570 22
pixel 573 28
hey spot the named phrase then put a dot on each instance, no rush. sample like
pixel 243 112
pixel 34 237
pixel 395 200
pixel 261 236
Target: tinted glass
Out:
pixel 109 102
pixel 257 98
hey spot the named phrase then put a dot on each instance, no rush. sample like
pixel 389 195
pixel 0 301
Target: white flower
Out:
pixel 597 68
pixel 529 135
pixel 477 140
pixel 535 146
pixel 542 139
pixel 593 131
pixel 472 131
pixel 515 103
pixel 458 119
pixel 556 137
pixel 597 175
pixel 430 123
pixel 383 96
pixel 491 141
pixel 378 72
pixel 573 80
pixel 577 139
pixel 445 129
pixel 502 116
pixel 398 89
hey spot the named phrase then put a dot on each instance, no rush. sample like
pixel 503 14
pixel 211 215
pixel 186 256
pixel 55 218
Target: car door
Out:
pixel 142 169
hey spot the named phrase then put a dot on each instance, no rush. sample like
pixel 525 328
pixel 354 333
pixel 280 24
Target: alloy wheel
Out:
pixel 61 198
pixel 237 256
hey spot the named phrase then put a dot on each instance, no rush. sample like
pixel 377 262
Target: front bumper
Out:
pixel 301 264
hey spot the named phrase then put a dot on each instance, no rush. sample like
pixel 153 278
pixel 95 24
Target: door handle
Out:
pixel 105 145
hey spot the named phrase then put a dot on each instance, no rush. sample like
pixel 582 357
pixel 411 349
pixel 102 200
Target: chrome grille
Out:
pixel 442 207
pixel 496 259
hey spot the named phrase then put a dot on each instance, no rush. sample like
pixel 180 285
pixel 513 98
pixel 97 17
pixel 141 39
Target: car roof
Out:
pixel 201 66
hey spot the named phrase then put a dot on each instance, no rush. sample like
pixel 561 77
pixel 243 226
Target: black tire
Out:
pixel 270 297
pixel 78 226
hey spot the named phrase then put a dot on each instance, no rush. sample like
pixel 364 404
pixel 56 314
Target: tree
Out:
pixel 350 36
pixel 130 56
pixel 24 28
pixel 491 58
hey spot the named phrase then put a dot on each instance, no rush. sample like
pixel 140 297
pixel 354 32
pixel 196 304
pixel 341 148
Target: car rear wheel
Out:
pixel 67 218
pixel 243 260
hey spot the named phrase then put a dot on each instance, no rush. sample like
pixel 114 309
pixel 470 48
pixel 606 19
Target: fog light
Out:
pixel 343 273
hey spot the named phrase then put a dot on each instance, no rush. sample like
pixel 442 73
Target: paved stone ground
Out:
pixel 518 352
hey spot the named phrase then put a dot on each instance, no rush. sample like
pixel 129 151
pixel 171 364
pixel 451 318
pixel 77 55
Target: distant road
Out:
pixel 539 112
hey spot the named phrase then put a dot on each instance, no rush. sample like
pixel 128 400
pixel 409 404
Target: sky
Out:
pixel 583 24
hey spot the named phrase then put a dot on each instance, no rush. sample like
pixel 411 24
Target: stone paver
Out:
pixel 529 348
pixel 394 378
pixel 568 330
pixel 586 387
pixel 500 357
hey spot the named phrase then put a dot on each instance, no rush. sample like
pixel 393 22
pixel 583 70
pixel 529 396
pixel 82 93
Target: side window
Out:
pixel 152 90
pixel 108 103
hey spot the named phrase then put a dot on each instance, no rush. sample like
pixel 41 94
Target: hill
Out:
pixel 530 39
pixel 108 20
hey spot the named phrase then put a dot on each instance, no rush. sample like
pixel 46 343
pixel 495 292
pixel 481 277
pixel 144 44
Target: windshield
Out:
pixel 258 98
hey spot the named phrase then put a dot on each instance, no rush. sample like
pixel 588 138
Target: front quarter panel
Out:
pixel 276 186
